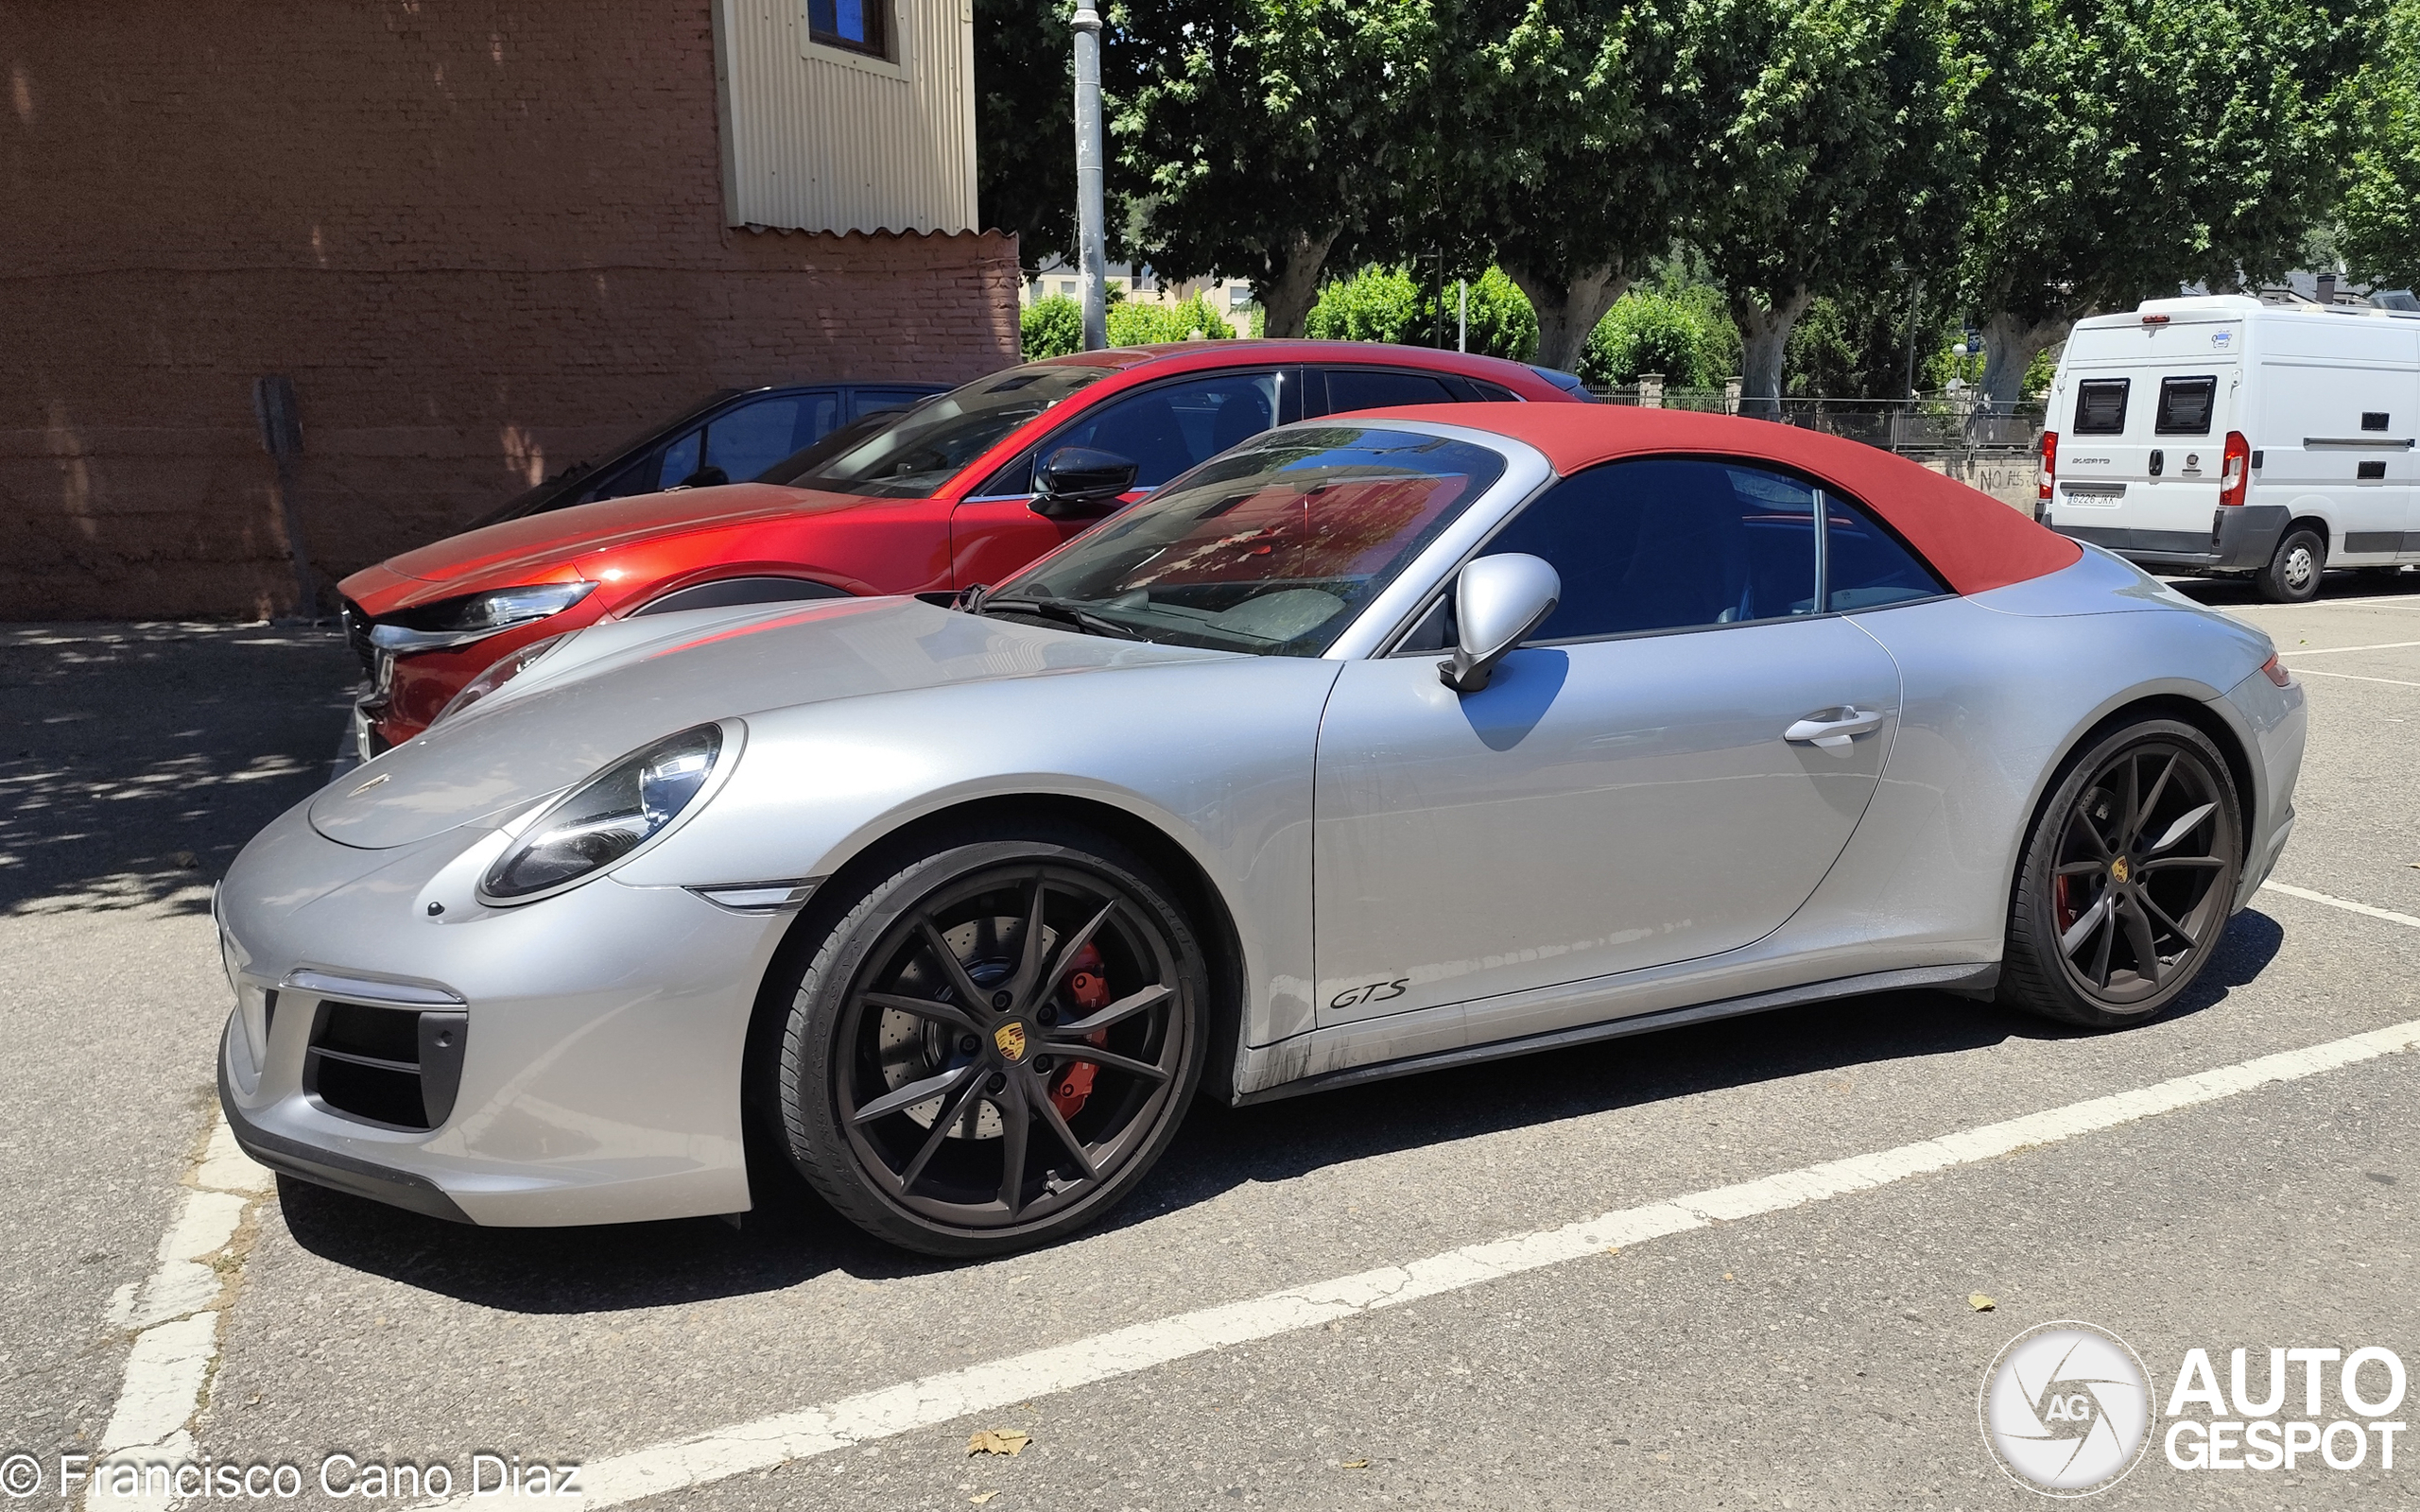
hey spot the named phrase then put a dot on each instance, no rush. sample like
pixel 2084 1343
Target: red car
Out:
pixel 962 489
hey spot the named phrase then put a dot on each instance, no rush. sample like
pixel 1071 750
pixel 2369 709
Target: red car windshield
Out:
pixel 1273 548
pixel 928 445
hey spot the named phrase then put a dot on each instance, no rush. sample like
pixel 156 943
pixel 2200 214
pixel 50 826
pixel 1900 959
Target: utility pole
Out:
pixel 1463 322
pixel 1090 213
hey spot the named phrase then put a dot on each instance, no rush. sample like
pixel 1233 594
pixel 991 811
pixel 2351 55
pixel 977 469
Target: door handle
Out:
pixel 1834 728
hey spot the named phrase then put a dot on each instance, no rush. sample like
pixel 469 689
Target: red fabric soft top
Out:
pixel 1975 541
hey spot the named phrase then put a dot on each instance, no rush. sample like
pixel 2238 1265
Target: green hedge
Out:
pixel 1051 328
pixel 1055 327
pixel 1135 324
pixel 1384 304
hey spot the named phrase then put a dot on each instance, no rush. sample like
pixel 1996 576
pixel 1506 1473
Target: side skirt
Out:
pixel 1963 980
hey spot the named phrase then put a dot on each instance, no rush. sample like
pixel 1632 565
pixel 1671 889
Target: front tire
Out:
pixel 996 1043
pixel 2293 574
pixel 2127 881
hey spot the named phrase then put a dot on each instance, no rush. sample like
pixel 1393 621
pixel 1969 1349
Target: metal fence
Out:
pixel 1942 422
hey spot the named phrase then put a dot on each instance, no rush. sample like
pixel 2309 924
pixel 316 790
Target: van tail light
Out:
pixel 2275 672
pixel 2049 472
pixel 2235 470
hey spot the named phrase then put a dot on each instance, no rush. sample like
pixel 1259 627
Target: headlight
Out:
pixel 498 675
pixel 474 616
pixel 606 817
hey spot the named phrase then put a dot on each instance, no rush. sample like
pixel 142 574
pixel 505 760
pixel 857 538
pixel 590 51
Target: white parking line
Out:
pixel 2340 650
pixel 766 1442
pixel 2345 903
pixel 2352 676
pixel 176 1313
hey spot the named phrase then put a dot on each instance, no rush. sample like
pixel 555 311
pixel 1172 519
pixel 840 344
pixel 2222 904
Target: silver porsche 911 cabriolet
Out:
pixel 1376 745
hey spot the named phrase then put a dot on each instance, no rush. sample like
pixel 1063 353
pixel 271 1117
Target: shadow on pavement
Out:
pixel 2342 587
pixel 135 759
pixel 793 1237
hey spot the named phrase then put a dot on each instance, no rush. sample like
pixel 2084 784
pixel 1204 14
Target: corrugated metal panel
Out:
pixel 815 140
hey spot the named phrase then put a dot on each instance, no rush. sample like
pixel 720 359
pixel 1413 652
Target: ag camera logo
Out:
pixel 2066 1409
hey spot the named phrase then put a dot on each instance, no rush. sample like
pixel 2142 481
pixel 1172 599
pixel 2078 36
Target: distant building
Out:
pixel 1231 296
pixel 482 241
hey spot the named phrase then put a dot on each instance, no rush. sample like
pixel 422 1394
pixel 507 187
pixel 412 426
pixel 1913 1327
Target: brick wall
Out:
pixel 483 239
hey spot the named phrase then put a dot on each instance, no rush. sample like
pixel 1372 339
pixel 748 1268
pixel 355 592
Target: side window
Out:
pixel 1865 566
pixel 680 460
pixel 1495 393
pixel 2101 407
pixel 753 438
pixel 1165 430
pixel 636 477
pixel 1669 544
pixel 2184 405
pixel 1350 389
pixel 874 400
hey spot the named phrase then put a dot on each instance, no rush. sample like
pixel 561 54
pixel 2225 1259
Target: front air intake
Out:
pixel 399 1067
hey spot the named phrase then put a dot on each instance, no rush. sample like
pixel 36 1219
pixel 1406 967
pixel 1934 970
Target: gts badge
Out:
pixel 1374 992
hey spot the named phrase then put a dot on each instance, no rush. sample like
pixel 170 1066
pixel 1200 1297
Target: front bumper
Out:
pixel 2240 540
pixel 603 1031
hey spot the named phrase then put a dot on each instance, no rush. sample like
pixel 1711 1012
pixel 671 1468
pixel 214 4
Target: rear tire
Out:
pixel 2293 574
pixel 2128 878
pixel 1059 1062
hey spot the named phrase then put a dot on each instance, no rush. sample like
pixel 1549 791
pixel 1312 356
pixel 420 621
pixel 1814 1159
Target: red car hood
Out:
pixel 546 548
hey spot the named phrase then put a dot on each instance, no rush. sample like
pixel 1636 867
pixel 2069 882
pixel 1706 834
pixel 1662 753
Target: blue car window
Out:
pixel 1865 566
pixel 1170 429
pixel 680 460
pixel 1670 544
pixel 753 438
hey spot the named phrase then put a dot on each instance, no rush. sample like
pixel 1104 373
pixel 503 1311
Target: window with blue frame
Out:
pixel 855 25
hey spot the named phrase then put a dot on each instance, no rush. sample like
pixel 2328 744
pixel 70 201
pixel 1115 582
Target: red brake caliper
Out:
pixel 1089 990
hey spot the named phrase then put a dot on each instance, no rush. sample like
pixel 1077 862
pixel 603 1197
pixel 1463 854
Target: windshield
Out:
pixel 930 442
pixel 1271 548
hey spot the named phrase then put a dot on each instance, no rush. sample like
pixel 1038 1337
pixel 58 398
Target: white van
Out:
pixel 2222 436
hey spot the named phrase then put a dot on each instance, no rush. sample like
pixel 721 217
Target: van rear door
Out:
pixel 2146 410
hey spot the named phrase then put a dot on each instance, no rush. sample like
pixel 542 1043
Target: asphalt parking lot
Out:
pixel 1812 1353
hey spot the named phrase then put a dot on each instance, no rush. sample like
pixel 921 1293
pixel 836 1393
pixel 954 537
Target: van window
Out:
pixel 2101 407
pixel 2184 406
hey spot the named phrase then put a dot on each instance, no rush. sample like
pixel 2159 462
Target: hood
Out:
pixel 546 547
pixel 665 673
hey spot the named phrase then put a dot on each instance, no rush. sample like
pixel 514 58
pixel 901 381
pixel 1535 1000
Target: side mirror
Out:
pixel 709 476
pixel 1080 480
pixel 1498 602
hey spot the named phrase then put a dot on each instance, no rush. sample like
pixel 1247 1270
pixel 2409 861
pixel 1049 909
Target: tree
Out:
pixel 1856 345
pixel 2164 141
pixel 2379 233
pixel 1263 136
pixel 1024 121
pixel 1832 161
pixel 1562 151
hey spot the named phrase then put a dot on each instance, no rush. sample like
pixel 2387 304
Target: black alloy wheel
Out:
pixel 994 1045
pixel 2128 879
